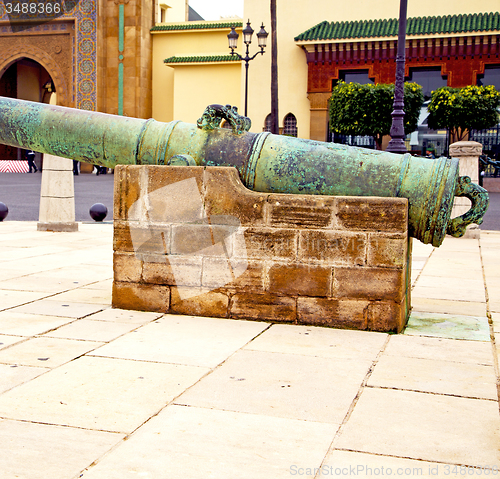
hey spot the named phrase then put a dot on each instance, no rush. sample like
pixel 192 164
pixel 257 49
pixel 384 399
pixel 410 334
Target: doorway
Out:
pixel 25 79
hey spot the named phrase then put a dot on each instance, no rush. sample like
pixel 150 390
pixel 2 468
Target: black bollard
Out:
pixel 4 211
pixel 98 212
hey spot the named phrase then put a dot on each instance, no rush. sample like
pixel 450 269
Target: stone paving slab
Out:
pixel 309 388
pixel 435 376
pixel 322 342
pixel 347 463
pixel 194 443
pixel 454 326
pixel 28 324
pixel 45 352
pixel 10 298
pixel 42 451
pixel 91 330
pixel 100 393
pixel 125 316
pixel 13 375
pixel 97 296
pixel 6 341
pixel 428 427
pixel 447 306
pixel 477 352
pixel 66 309
pixel 205 342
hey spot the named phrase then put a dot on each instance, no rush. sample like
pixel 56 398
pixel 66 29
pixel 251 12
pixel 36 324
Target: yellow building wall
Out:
pixel 176 10
pixel 197 86
pixel 295 17
pixel 177 90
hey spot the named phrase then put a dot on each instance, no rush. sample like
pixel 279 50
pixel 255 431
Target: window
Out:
pixel 163 15
pixel 429 79
pixel 267 123
pixel 290 125
pixel 491 76
pixel 354 76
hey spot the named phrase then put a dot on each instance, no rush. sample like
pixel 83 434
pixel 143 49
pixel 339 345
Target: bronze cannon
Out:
pixel 265 162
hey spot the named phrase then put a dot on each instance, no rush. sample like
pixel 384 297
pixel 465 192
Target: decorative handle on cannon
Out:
pixel 214 114
pixel 480 200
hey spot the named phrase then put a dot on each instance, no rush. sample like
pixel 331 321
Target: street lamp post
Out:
pixel 397 144
pixel 247 39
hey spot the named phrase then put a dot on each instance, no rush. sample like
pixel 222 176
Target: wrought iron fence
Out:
pixel 351 140
pixel 490 139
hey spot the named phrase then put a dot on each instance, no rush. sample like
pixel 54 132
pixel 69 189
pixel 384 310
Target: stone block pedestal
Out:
pixel 195 241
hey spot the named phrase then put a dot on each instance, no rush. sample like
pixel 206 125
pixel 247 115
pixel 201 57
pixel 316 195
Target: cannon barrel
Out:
pixel 266 162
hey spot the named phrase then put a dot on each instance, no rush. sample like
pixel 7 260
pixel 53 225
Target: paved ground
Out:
pixel 21 193
pixel 88 391
pixel 492 216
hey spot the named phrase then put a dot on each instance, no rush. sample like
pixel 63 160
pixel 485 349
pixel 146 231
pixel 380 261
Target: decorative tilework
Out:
pixel 84 52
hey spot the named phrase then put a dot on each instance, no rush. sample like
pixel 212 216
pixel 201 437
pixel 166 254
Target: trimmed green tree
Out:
pixel 460 110
pixel 357 109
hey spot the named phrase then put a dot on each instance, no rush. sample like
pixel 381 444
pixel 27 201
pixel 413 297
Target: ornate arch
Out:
pixel 290 125
pixel 17 52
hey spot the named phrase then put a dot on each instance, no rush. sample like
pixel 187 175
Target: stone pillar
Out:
pixel 468 154
pixel 57 196
pixel 319 115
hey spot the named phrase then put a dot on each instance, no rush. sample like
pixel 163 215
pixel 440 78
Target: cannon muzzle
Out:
pixel 265 162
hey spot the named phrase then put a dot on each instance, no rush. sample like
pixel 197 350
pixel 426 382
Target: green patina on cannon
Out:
pixel 265 162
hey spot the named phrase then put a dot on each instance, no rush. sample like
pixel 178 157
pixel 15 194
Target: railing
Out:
pixel 351 140
pixel 490 139
pixel 488 168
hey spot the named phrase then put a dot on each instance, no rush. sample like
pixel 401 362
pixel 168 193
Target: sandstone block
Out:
pixel 174 270
pixel 126 268
pixel 226 195
pixel 387 250
pixel 199 302
pixel 203 239
pixel 265 307
pixel 306 211
pixel 369 283
pixel 333 247
pixel 233 274
pixel 144 239
pixel 141 297
pixel 300 279
pixel 380 214
pixel 268 243
pixel 352 314
pixel 158 194
pixel 387 316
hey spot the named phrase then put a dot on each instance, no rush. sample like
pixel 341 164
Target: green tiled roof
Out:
pixel 477 22
pixel 195 26
pixel 202 59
